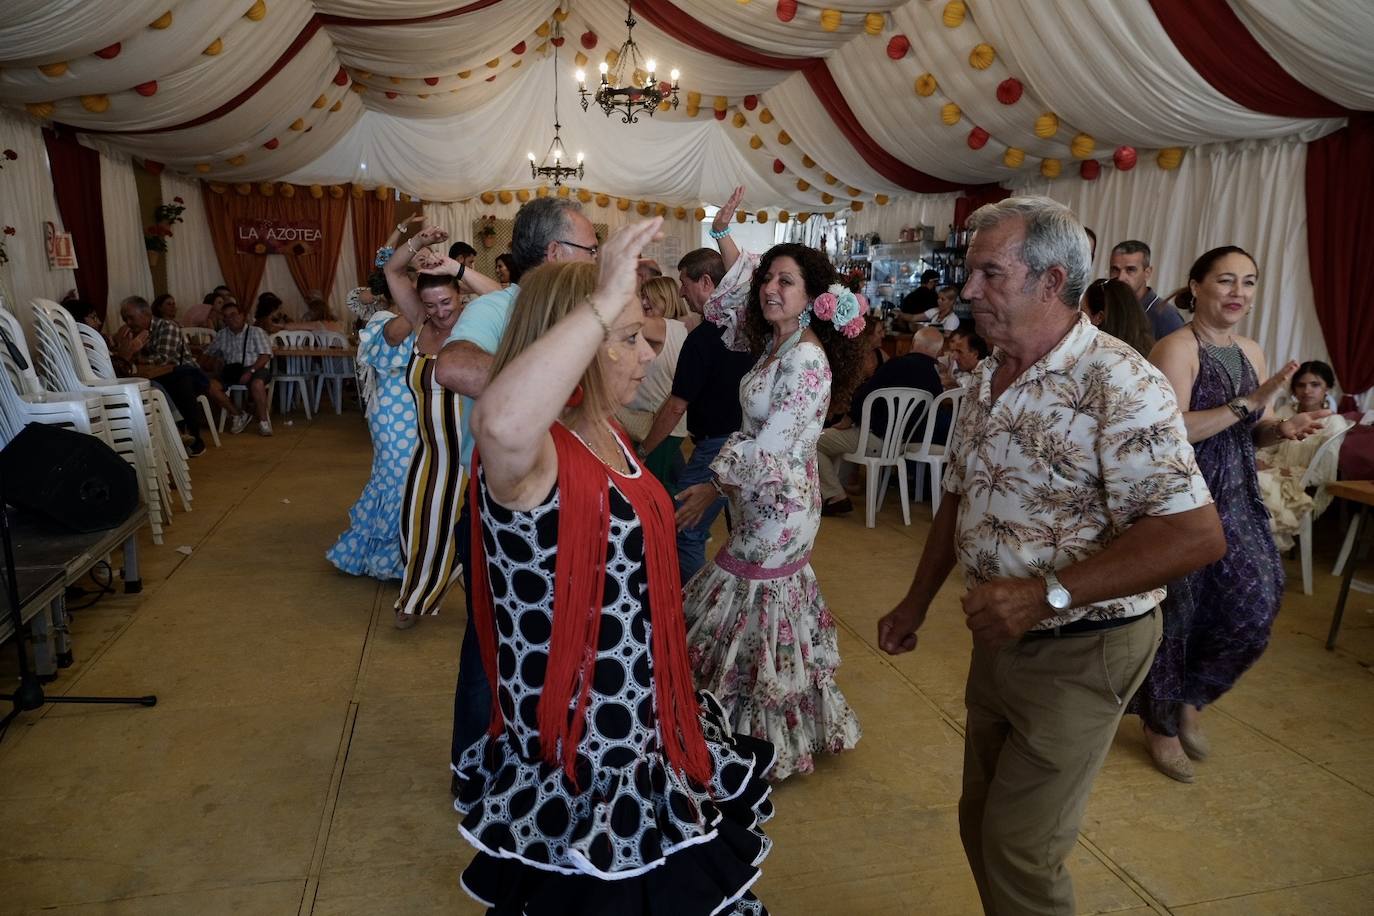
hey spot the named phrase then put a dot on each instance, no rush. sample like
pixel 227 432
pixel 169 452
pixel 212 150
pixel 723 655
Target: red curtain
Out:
pixel 223 205
pixel 76 184
pixel 1340 223
pixel 974 198
pixel 312 267
pixel 373 222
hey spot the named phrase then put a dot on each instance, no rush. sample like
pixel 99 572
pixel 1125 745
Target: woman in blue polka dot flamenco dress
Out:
pixel 372 544
pixel 604 785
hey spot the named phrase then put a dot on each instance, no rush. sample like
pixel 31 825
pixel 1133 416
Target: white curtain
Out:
pixel 26 203
pixel 1250 194
pixel 126 260
pixel 345 276
pixel 192 268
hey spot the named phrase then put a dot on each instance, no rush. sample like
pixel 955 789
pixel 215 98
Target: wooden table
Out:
pixel 1362 492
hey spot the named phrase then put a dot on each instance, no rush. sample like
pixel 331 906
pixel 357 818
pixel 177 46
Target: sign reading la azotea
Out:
pixel 276 236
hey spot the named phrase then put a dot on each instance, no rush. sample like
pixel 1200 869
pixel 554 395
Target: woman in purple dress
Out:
pixel 1217 620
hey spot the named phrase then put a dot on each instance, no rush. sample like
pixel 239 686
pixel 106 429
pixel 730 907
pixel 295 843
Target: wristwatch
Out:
pixel 1240 407
pixel 1056 595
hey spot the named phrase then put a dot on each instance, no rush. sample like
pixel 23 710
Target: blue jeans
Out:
pixel 472 695
pixel 691 542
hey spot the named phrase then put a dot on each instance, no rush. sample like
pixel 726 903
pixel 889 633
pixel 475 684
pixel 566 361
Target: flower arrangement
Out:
pixel 842 308
pixel 8 155
pixel 854 280
pixel 156 234
pixel 487 233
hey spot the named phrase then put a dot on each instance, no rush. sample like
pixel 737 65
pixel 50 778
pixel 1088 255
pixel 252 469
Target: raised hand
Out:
pixel 437 263
pixel 1261 397
pixel 726 213
pixel 1300 426
pixel 430 235
pixel 616 280
pixel 415 219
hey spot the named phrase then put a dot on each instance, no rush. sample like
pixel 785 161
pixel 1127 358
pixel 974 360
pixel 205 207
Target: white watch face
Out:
pixel 1058 598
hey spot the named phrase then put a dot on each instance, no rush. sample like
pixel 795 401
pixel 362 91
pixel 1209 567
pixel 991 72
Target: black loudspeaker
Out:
pixel 71 478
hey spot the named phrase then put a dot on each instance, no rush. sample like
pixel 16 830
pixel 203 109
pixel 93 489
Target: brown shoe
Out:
pixel 405 621
pixel 838 507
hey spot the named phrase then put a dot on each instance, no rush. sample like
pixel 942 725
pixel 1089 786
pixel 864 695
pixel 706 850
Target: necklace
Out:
pixel 791 341
pixel 621 466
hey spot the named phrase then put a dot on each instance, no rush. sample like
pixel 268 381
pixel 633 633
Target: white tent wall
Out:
pixel 192 269
pixel 126 258
pixel 346 277
pixel 26 203
pixel 935 210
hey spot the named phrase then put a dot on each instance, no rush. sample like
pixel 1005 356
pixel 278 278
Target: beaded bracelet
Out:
pixel 383 255
pixel 718 235
pixel 605 325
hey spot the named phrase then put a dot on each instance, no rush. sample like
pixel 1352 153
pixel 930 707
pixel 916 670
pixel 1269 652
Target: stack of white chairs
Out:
pixel 292 373
pixel 23 400
pixel 333 370
pixel 931 453
pixel 129 410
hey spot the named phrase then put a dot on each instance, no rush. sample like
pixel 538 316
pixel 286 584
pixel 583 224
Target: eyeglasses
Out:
pixel 590 249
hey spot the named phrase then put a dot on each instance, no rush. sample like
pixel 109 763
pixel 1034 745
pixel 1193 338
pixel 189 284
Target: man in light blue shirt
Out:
pixel 546 229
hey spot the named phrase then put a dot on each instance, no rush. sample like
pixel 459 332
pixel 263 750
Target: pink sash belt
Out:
pixel 738 567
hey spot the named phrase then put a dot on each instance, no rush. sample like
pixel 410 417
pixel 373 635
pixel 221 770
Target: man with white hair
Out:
pixel 1072 496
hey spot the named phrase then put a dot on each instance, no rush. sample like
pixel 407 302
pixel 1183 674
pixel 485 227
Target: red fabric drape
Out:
pixel 1340 222
pixel 312 267
pixel 76 184
pixel 974 198
pixel 373 222
pixel 242 272
pixel 1220 48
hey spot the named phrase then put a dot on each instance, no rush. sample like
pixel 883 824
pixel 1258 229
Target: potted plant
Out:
pixel 487 234
pixel 156 234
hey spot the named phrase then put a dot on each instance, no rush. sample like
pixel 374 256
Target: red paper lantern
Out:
pixel 897 46
pixel 720 114
pixel 787 10
pixel 391 95
pixel 518 49
pixel 109 53
pixel 152 167
pixel 1124 158
pixel 665 87
pixel 146 89
pixel 588 39
pixel 271 144
pixel 1090 169
pixel 751 102
pixel 341 78
pixel 1009 91
pixel 432 80
pixel 557 41
pixel 977 138
pixel 778 167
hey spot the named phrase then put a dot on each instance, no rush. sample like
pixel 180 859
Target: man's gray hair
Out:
pixel 137 303
pixel 537 223
pixel 1053 236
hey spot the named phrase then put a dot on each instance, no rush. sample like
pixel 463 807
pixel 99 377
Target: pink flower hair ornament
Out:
pixel 824 305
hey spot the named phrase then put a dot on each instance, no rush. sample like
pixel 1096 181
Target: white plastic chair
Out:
pixel 334 370
pixel 931 453
pixel 1316 477
pixel 23 397
pixel 906 409
pixel 292 372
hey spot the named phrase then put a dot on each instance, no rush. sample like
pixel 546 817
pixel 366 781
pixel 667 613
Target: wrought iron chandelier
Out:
pixel 628 92
pixel 558 171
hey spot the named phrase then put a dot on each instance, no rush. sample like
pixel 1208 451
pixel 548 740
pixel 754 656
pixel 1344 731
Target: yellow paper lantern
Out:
pixel 202 167
pixel 856 205
pixel 267 189
pixel 288 191
pixel 765 116
pixel 664 105
pixel 642 208
pixel 356 190
pixel 1047 125
pixel 926 85
pixel 808 162
pixel 880 200
pixel 1082 146
pixel 603 200
pixel 953 17
pixel 622 204
pixel 298 124
pixel 853 192
pixel 316 191
pixel 320 102
pixel 692 110
pixel 39 109
pixel 803 184
pixel 162 22
pixel 756 142
pixel 982 56
pixel 873 23
pixel 830 20
pixel 213 48
pixel 827 198
pixel 720 103
pixel 803 217
pixel 694 98
pixel 493 63
pixel 541 192
pixel 829 179
pixel 464 74
pixel 950 114
pixel 741 217
pixel 1050 168
pixel 783 216
pixel 739 120
pixel 95 104
pixel 336 107
pixel 784 137
pixel 1169 158
pixel 612 58
pixel 543 30
pixel 243 189
pixel 238 160
pixel 505 196
pixel 580 59
pixel 256 11
pixel 679 213
pixel 359 88
pixel 336 191
pixel 487 198
pixel 362 74
pixel 53 70
pixel 564 190
pixel 830 214
pixel 218 187
pixel 1013 157
pixel 522 195
pixel 660 210
pixel 560 14
pixel 584 196
pixel 761 216
pixel 382 192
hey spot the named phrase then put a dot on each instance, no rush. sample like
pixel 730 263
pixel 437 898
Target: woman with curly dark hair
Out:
pixel 760 636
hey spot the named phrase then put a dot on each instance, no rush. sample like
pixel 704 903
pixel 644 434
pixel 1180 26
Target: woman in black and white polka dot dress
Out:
pixel 605 785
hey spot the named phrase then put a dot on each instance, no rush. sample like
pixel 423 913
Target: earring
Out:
pixel 805 320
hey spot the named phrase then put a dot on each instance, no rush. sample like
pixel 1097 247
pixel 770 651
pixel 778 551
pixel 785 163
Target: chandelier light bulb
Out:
pixel 579 157
pixel 581 76
pixel 604 67
pixel 674 74
pixel 653 66
pixel 531 157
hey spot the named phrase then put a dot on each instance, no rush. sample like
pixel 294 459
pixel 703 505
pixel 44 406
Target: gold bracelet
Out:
pixel 605 325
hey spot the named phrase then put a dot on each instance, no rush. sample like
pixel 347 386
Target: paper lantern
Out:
pixel 1124 158
pixel 926 85
pixel 1050 168
pixel 244 189
pixel 808 162
pixel 856 205
pixel 110 52
pixel 267 189
pixel 829 179
pixel 827 198
pixel 803 217
pixel 880 200
pixel 977 138
pixel 356 191
pixel 147 89
pixel 95 104
pixel 588 39
pixel 583 195
pixel 756 142
pixel 580 59
pixel 256 11
pixel 603 200
pixel 830 20
pixel 1082 146
pixel 1013 157
pixel 522 195
pixel 642 208
pixel 316 191
pixel 152 167
pixel 288 190
pixel 518 49
pixel 783 216
pixel 622 204
pixel 389 93
pixel 803 184
pixel 693 110
pixel 1169 158
pixel 202 167
pixel 897 46
pixel 298 124
pixel 381 192
pixel 218 187
pixel 1047 125
pixel 162 22
pixel 505 196
pixel 660 209
pixel 766 116
pixel 341 77
pixel 320 102
pixel 336 191
pixel 982 56
pixel 739 120
pixel 487 198
pixel 39 109
pixel 271 144
pixel 761 216
pixel 852 192
pixel 680 213
pixel 950 114
pixel 53 70
pixel 699 214
pixel 720 103
pixel 464 74
pixel 1089 169
pixel 1009 91
pixel 786 10
pixel 431 81
pixel 830 214
pixel 751 102
pixel 560 14
pixel 741 217
pixel 778 167
pixel 557 43
pixel 493 63
pixel 693 98
pixel 336 107
pixel 541 192
pixel 873 25
pixel 953 17
pixel 543 29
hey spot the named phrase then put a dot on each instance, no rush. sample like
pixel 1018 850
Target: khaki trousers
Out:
pixel 829 447
pixel 1041 715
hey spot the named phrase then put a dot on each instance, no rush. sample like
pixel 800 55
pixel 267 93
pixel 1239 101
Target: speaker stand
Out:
pixel 29 695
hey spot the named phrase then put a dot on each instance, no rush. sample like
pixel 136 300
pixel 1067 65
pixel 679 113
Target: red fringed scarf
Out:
pixel 584 524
